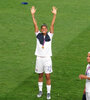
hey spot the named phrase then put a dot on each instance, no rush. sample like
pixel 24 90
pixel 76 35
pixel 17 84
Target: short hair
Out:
pixel 44 25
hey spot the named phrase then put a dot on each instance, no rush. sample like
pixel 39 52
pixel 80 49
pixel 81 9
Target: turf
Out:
pixel 71 41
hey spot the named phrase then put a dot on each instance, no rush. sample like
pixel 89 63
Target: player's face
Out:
pixel 44 30
pixel 88 58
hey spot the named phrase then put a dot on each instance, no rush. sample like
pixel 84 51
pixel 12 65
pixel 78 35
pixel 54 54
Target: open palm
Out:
pixel 54 10
pixel 33 10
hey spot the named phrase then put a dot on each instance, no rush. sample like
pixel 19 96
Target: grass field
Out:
pixel 71 42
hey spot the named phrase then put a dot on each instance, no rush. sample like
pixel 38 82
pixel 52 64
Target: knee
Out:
pixel 40 75
pixel 48 77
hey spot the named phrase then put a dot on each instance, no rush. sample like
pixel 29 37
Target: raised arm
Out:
pixel 54 11
pixel 33 10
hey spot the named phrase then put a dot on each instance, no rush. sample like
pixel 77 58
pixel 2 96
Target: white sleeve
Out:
pixel 88 70
pixel 88 73
pixel 37 33
pixel 50 34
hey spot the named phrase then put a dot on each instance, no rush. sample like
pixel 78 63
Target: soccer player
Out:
pixel 87 77
pixel 44 52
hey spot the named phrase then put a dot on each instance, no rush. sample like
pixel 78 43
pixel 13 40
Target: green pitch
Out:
pixel 71 42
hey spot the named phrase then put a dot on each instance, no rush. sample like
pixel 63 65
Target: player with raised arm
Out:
pixel 44 52
pixel 87 77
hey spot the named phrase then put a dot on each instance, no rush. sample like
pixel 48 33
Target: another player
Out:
pixel 87 77
pixel 44 52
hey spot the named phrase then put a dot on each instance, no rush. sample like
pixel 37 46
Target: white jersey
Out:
pixel 43 45
pixel 88 81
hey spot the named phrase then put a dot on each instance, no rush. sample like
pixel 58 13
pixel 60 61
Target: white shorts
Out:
pixel 87 95
pixel 43 64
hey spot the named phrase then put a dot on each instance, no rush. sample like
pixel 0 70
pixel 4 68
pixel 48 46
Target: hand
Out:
pixel 82 76
pixel 54 10
pixel 33 10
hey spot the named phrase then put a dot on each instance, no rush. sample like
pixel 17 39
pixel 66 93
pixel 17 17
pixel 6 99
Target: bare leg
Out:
pixel 48 80
pixel 40 79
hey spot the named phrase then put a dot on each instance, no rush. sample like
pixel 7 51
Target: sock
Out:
pixel 48 88
pixel 40 85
